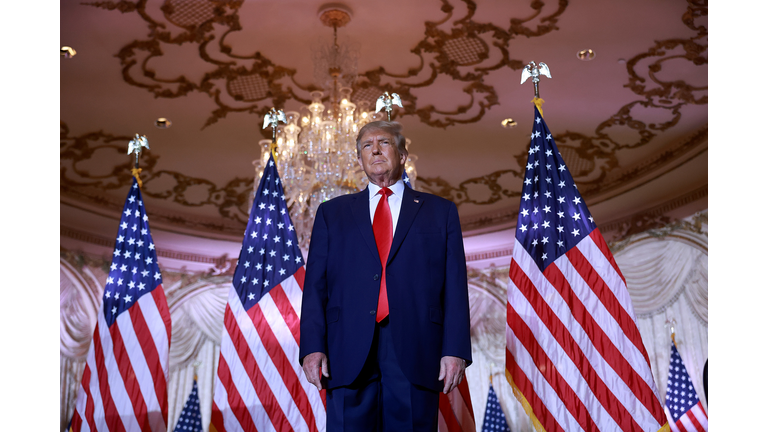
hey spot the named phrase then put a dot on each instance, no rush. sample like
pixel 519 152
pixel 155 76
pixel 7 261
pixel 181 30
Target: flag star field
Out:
pixel 134 271
pixel 553 217
pixel 270 251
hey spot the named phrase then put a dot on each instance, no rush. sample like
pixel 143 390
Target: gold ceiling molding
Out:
pixel 232 200
pixel 488 189
pixel 461 53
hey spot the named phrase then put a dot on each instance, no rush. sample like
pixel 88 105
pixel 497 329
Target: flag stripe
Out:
pixel 603 351
pixel 284 354
pixel 299 276
pixel 93 389
pixel 86 394
pixel 540 410
pixel 548 370
pixel 287 313
pixel 599 241
pixel 701 417
pixel 446 412
pixel 125 368
pixel 253 372
pixel 463 388
pixel 285 368
pixel 293 293
pixel 157 312
pixel 585 373
pixel 217 420
pixel 692 420
pixel 606 295
pixel 156 397
pixel 614 280
pixel 236 406
pixel 613 344
pixel 111 417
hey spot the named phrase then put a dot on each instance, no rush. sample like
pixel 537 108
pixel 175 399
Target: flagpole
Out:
pixel 535 72
pixel 134 146
pixel 271 119
pixel 386 101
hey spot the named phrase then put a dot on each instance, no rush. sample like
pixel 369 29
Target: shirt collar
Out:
pixel 397 189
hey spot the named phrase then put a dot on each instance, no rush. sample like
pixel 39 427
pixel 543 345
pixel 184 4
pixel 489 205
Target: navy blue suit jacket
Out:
pixel 426 287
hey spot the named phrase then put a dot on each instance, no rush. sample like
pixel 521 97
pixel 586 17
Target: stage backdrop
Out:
pixel 666 273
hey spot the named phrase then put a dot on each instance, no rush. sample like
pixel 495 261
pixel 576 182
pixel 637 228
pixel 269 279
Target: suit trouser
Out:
pixel 382 398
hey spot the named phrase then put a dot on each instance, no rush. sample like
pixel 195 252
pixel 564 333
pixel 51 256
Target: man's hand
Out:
pixel 314 364
pixel 451 372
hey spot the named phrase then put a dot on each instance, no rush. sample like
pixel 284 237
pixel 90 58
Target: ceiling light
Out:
pixel 585 54
pixel 508 123
pixel 163 123
pixel 68 52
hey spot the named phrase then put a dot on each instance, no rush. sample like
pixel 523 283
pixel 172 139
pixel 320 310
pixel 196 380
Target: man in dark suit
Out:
pixel 385 312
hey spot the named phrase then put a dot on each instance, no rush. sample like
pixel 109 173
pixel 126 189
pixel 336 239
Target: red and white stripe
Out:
pixel 455 413
pixel 573 347
pixel 124 384
pixel 259 385
pixel 695 420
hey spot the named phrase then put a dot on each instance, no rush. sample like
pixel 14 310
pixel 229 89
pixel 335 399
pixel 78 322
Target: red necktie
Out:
pixel 382 232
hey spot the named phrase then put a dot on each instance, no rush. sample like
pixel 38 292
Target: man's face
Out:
pixel 379 157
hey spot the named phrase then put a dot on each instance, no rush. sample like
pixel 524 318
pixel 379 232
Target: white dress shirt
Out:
pixel 395 201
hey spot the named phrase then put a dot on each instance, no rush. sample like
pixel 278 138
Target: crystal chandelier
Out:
pixel 316 151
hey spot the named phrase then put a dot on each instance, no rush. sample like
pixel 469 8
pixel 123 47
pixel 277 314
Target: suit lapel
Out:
pixel 408 209
pixel 361 213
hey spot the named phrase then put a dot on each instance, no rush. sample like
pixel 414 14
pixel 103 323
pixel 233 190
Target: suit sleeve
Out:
pixel 315 296
pixel 456 337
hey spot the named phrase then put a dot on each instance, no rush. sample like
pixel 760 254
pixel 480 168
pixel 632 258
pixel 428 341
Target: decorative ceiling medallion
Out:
pixel 466 50
pixel 248 87
pixel 188 13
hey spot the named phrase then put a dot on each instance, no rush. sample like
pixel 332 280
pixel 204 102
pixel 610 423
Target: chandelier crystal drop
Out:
pixel 316 152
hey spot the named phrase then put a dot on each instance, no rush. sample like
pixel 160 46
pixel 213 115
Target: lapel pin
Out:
pixel 416 201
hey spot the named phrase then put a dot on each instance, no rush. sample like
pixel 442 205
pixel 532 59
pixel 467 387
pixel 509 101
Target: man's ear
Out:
pixel 360 161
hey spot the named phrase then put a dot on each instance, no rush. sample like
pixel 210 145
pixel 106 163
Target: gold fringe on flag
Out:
pixel 136 172
pixel 537 426
pixel 538 102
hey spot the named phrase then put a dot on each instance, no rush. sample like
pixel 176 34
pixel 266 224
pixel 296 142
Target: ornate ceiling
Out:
pixel 631 123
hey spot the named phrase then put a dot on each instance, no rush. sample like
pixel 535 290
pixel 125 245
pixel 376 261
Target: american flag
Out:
pixel 683 407
pixel 190 419
pixel 124 384
pixel 494 420
pixel 259 384
pixel 455 413
pixel 575 357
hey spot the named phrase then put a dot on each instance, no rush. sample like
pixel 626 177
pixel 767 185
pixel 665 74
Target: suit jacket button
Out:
pixel 373 312
pixel 375 277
